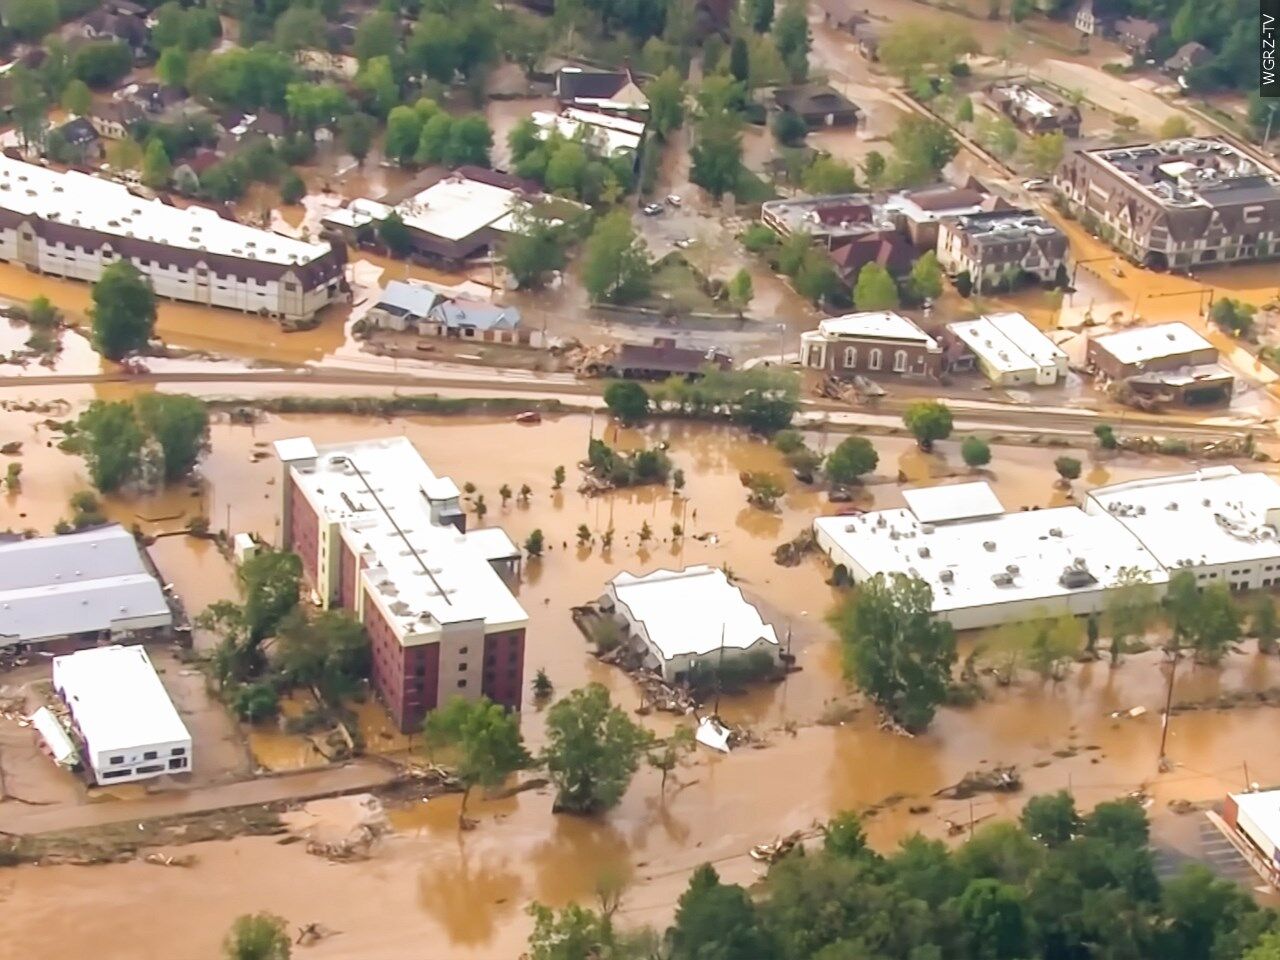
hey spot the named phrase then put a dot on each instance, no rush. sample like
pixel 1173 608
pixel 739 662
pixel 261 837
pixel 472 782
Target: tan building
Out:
pixel 875 344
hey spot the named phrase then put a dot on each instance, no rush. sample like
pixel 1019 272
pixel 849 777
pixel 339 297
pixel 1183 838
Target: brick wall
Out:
pixel 405 677
pixel 504 668
pixel 347 575
pixel 303 535
pixel 919 361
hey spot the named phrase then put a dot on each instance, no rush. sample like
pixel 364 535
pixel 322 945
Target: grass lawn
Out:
pixel 675 285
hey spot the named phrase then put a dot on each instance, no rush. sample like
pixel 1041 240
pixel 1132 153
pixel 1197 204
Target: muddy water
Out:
pixel 430 892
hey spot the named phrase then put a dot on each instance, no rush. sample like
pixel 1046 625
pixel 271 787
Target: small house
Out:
pixel 663 359
pixel 818 105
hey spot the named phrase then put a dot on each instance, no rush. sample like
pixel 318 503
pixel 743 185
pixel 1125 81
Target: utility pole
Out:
pixel 1168 705
pixel 1271 115
pixel 719 673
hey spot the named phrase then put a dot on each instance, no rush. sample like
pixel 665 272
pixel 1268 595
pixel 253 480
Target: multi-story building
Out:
pixel 1035 110
pixel 381 535
pixel 1178 203
pixel 877 344
pixel 73 224
pixel 1001 247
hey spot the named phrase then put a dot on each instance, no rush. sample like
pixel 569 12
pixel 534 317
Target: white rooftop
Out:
pixel 1262 809
pixel 1215 515
pixel 426 574
pixel 1008 342
pixel 76 583
pixel 953 501
pixel 880 324
pixel 93 203
pixel 1150 343
pixel 955 561
pixel 117 698
pixel 688 611
pixel 55 737
pixel 608 134
pixel 455 208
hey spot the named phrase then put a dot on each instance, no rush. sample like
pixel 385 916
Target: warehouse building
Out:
pixel 381 535
pixel 1165 346
pixel 1255 818
pixel 683 617
pixel 66 592
pixel 72 224
pixel 986 566
pixel 1218 522
pixel 122 714
pixel 1009 349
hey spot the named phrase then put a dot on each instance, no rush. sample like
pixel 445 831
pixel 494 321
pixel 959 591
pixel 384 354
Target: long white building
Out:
pixel 122 714
pixel 73 224
pixel 1010 350
pixel 985 566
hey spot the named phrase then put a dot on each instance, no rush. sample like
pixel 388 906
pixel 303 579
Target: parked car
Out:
pixel 651 209
pixel 684 243
pixel 674 199
pixel 1035 184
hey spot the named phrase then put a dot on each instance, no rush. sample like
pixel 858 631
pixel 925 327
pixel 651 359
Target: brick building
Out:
pixel 381 535
pixel 870 344
pixel 1165 346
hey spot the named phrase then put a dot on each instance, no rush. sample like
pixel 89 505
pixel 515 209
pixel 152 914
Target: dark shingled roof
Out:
pixel 665 357
pixel 574 84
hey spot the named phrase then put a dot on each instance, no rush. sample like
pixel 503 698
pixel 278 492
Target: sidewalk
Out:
pixel 354 777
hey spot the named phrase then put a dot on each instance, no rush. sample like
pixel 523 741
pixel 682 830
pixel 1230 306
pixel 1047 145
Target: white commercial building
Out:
pixel 78 587
pixel 73 224
pixel 985 566
pixel 608 135
pixel 1010 350
pixel 1256 818
pixel 685 616
pixel 122 713
pixel 1218 522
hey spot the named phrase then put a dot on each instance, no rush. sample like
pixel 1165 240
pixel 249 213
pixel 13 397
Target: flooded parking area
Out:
pixel 464 895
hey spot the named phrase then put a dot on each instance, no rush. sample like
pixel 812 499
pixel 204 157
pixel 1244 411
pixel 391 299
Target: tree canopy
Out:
pixel 123 312
pixel 483 740
pixel 852 458
pixel 593 749
pixel 928 421
pixel 615 263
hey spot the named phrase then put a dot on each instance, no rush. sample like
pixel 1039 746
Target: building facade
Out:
pixel 74 225
pixel 1000 248
pixel 1178 203
pixel 1009 350
pixel 870 344
pixel 381 535
pixel 1034 110
pixel 1165 346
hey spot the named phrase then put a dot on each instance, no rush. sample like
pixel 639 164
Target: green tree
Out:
pixel 1044 152
pixel 816 279
pixel 358 130
pixel 156 169
pixel 829 175
pixel 257 936
pixel 1106 436
pixel 30 104
pixel 123 312
pixel 270 582
pixel 1267 948
pixel 543 688
pixel 1214 625
pixel 1130 605
pixel 534 250
pixel 615 261
pixel 1264 624
pixel 30 19
pixel 975 452
pixel 928 421
pixel 292 188
pixel 740 290
pixel 404 128
pixel 964 112
pixel 739 60
pixel 315 105
pixel 575 933
pixel 627 400
pixel 1051 818
pixel 993 920
pixel 1068 468
pixel 922 147
pixel 791 35
pixel 593 749
pixel 666 754
pixel 717 152
pixel 470 140
pixel 378 35
pixel 854 457
pixel 77 98
pixel 395 235
pixel 102 63
pixel 789 129
pixel 875 289
pixel 533 544
pixel 925 281
pixel 716 921
pixel 843 836
pixel 327 651
pixel 110 439
pixel 899 654
pixel 484 740
pixel 300 28
pixel 558 478
pixel 666 102
pixel 759 15
pixel 873 167
pixel 378 86
pixel 180 424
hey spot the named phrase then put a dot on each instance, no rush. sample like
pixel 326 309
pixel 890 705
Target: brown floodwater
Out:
pixel 429 891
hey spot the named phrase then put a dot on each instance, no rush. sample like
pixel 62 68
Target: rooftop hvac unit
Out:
pixel 989 546
pixel 946 576
pixel 926 528
pixel 1080 563
pixel 1173 505
pixel 893 534
pixel 849 528
pixel 1055 531
pixel 1073 578
pixel 923 551
pixel 1012 569
pixel 1141 510
pixel 1002 579
pixel 1204 502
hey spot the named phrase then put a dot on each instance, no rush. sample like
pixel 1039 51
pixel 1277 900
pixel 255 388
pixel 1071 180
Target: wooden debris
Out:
pixel 999 779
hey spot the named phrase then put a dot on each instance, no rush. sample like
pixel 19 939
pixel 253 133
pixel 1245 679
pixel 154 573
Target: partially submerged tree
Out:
pixel 483 739
pixel 928 421
pixel 852 459
pixel 123 312
pixel 593 749
pixel 668 753
pixel 1130 606
pixel 257 936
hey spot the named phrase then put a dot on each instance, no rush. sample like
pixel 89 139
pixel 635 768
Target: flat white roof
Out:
pixel 117 698
pixel 295 448
pixel 880 324
pixel 1150 343
pixel 954 560
pixel 425 574
pixel 687 611
pixel 456 208
pixel 953 501
pixel 1262 809
pixel 1212 516
pixel 76 583
pixel 90 202
pixel 1008 342
pixel 609 138
pixel 916 213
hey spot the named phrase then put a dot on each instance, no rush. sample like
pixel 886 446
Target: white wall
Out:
pixel 132 758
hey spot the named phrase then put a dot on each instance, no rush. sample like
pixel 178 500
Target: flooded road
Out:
pixel 464 896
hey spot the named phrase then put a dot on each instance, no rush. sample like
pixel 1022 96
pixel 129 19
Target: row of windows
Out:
pixel 875 359
pixel 177 763
pixel 149 755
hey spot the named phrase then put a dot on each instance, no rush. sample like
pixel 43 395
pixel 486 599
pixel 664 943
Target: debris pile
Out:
pixel 790 554
pixel 999 779
pixel 856 391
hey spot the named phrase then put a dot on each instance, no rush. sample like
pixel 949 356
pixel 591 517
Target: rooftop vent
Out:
pixel 923 552
pixel 989 546
pixel 946 576
pixel 1002 579
pixel 1055 531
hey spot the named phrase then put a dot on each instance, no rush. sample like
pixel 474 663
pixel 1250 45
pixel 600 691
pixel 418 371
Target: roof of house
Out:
pixel 407 299
pixel 472 313
pixel 78 132
pixel 876 325
pixel 888 248
pixel 691 611
pixel 1149 343
pixel 76 583
pixel 1008 342
pixel 117 698
pixel 665 356
pixel 608 134
pixel 813 98
pixel 574 83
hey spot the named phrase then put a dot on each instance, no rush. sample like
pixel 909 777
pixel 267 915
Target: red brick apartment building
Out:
pixel 381 535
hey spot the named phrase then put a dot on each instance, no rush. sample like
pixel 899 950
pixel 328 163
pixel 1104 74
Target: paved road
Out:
pixel 353 777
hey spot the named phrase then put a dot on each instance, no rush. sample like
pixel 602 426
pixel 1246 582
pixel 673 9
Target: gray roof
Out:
pixel 481 316
pixel 407 299
pixel 78 583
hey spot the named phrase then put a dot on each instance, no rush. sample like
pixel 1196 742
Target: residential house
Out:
pixel 818 105
pixel 846 15
pixel 117 119
pixel 998 249
pixel 129 29
pixel 1035 110
pixel 403 306
pixel 880 343
pixel 188 171
pixel 1176 204
pixel 607 134
pixel 82 140
pixel 662 359
pixel 603 92
pixel 1188 57
pixel 1136 35
pixel 869 42
pixel 475 320
pixel 888 248
pixel 236 129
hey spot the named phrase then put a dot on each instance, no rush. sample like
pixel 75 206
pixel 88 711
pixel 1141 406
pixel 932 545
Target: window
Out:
pixel 490 660
pixel 511 657
pixel 149 755
pixel 462 651
pixel 850 357
pixel 152 768
pixel 462 666
pixel 291 286
pixel 874 362
pixel 116 774
pixel 900 361
pixel 114 760
pixel 462 683
pixel 178 763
